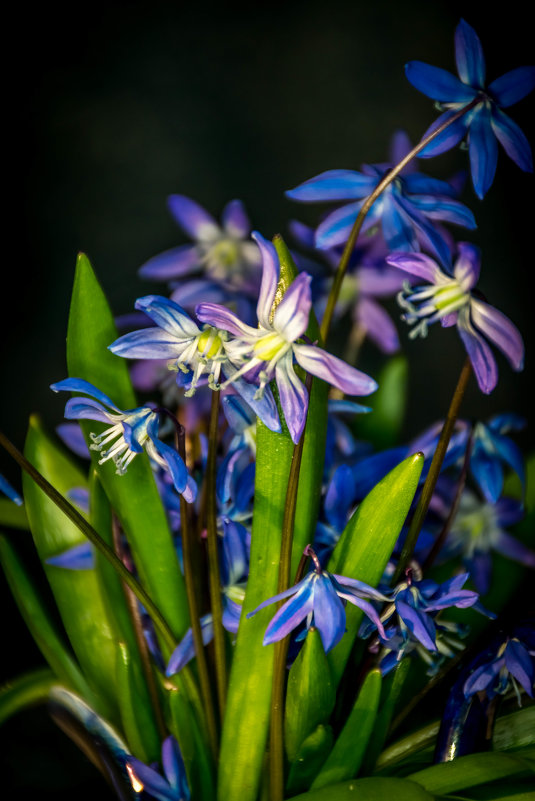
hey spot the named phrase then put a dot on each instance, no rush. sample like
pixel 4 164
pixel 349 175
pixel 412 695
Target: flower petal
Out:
pixel 292 313
pixel 170 264
pixel 185 650
pixel 336 227
pixel 520 665
pixel 377 324
pixel 513 86
pixel 221 317
pixel 479 352
pixel 333 370
pixel 500 330
pixel 193 219
pixel 418 623
pixel 468 264
pixel 73 437
pixel 469 55
pixel 168 315
pixel 270 279
pixel 329 613
pixel 488 474
pixel 483 151
pixel 438 84
pixel 417 264
pixel 79 557
pixel 86 409
pixel 235 220
pixel 293 396
pixel 513 139
pixel 448 138
pixel 333 185
pixel 79 385
pixel 148 343
pixel 292 613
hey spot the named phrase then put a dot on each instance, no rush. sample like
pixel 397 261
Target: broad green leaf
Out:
pixel 134 496
pixel 472 770
pixel 369 789
pixel 193 746
pixel 391 690
pixel 247 715
pixel 345 759
pixel 368 540
pixel 136 714
pixel 77 592
pixel 13 516
pixel 310 694
pixel 383 425
pixel 39 622
pixel 309 759
pixel 24 691
pixel 515 730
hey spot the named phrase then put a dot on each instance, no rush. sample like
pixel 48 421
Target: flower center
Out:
pixel 426 305
pixel 269 346
pixel 209 343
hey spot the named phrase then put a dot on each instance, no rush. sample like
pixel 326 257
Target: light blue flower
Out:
pixel 485 123
pixel 130 433
pixel 268 352
pixel 9 491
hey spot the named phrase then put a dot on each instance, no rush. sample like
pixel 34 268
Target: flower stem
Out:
pixel 368 203
pixel 95 538
pixel 434 469
pixel 214 578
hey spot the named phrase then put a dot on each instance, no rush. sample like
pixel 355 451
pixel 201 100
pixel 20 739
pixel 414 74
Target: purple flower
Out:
pixel 406 210
pixel 130 433
pixel 320 599
pixel 224 253
pixel 174 787
pixel 485 123
pixel 268 352
pixel 513 662
pixel 448 298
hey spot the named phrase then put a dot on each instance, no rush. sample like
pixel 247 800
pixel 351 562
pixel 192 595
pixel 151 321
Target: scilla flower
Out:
pixel 9 491
pixel 174 787
pixel 509 662
pixel 448 298
pixel 320 598
pixel 130 433
pixel 268 352
pixel 485 122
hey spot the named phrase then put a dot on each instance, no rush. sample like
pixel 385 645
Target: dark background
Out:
pixel 108 109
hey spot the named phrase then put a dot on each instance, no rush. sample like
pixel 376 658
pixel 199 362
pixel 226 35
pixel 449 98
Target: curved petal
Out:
pixel 192 218
pixel 368 609
pixel 301 587
pixel 168 315
pixel 500 330
pixel 292 313
pixel 469 55
pixel 265 407
pixel 378 325
pixel 513 86
pixel 488 474
pixel 482 678
pixel 270 279
pixel 185 651
pixel 420 184
pixel 520 665
pixel 398 231
pixel 79 385
pixel 417 264
pixel 483 151
pixel 468 264
pixel 85 409
pixel 438 84
pixel 446 209
pixel 170 264
pixel 428 233
pixel 418 623
pixel 176 468
pixel 333 185
pixel 221 317
pixel 448 138
pixel 292 613
pixel 73 437
pixel 514 549
pixel 510 453
pixel 148 343
pixel 350 584
pixel 479 352
pixel 173 766
pixel 333 370
pixel 154 784
pixel 336 227
pixel 293 396
pixel 79 557
pixel 329 613
pixel 400 146
pixel 235 220
pixel 513 139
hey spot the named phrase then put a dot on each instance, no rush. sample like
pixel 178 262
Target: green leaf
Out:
pixel 134 496
pixel 368 540
pixel 390 692
pixel 13 516
pixel 369 789
pixel 515 730
pixel 310 695
pixel 39 622
pixel 193 746
pixel 309 759
pixel 383 425
pixel 138 721
pixel 469 771
pixel 247 715
pixel 77 592
pixel 345 759
pixel 24 691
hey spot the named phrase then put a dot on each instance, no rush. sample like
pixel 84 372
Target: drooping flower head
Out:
pixel 268 352
pixel 174 787
pixel 485 123
pixel 449 298
pixel 506 663
pixel 130 433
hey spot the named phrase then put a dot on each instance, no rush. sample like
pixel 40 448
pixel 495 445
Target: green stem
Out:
pixel 95 538
pixel 368 203
pixel 434 470
pixel 214 577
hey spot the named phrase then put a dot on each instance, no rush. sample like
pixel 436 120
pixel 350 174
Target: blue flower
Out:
pixel 320 599
pixel 511 663
pixel 449 298
pixel 174 787
pixel 268 352
pixel 9 491
pixel 406 209
pixel 485 122
pixel 131 431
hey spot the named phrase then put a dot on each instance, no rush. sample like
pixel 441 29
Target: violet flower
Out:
pixel 448 298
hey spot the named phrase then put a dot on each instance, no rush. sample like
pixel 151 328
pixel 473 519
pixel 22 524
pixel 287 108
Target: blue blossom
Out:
pixel 9 491
pixel 268 352
pixel 320 599
pixel 512 662
pixel 485 123
pixel 338 504
pixel 449 298
pixel 406 210
pixel 130 433
pixel 174 787
pixel 399 644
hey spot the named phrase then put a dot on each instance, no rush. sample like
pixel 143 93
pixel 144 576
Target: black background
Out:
pixel 110 108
